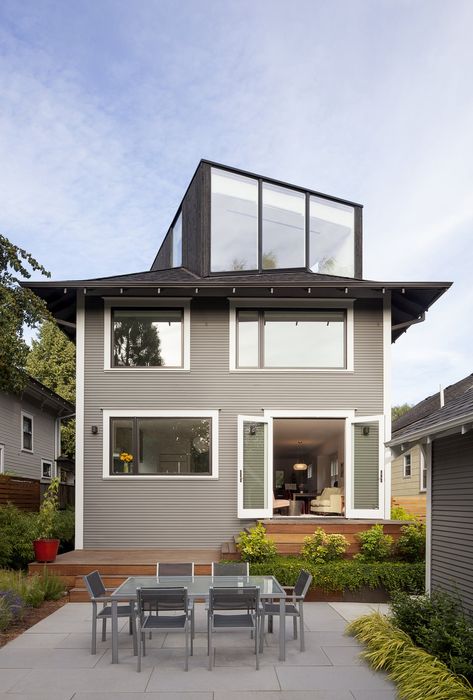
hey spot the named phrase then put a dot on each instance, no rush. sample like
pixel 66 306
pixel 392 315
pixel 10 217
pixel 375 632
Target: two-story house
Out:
pixel 252 358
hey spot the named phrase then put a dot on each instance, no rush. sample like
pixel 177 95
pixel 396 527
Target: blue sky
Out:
pixel 107 107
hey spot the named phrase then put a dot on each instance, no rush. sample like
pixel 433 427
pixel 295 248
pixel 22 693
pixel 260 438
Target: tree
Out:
pixel 398 411
pixel 52 361
pixel 137 343
pixel 19 307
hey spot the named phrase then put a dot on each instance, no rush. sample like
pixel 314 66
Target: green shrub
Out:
pixel 322 547
pixel 438 625
pixel 48 509
pixel 418 674
pixel 17 530
pixel 348 574
pixel 400 513
pixel 6 614
pixel 374 544
pixel 51 585
pixel 411 543
pixel 255 546
pixel 28 587
pixel 64 527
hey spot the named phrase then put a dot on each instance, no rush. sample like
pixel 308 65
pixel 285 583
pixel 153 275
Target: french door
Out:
pixel 255 477
pixel 364 472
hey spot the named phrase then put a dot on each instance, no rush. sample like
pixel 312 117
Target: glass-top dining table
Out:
pixel 198 589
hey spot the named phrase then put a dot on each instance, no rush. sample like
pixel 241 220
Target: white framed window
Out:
pixel 407 467
pixel 334 470
pixel 2 459
pixel 281 336
pixel 147 444
pixel 423 472
pixel 26 432
pixel 145 335
pixel 46 469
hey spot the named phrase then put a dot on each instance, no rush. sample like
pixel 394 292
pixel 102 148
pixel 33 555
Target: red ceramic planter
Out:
pixel 45 550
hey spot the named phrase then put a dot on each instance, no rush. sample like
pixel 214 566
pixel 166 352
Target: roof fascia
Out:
pixel 435 429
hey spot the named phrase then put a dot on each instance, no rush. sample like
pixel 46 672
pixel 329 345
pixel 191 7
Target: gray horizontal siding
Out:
pixel 452 516
pixel 24 463
pixel 204 513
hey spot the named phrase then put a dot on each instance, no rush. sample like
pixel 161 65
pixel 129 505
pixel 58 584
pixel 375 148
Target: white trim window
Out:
pixel 26 432
pixel 2 459
pixel 279 336
pixel 407 466
pixel 46 469
pixel 150 444
pixel 423 472
pixel 145 334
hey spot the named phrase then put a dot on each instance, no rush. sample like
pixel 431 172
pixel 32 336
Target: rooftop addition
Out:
pixel 234 221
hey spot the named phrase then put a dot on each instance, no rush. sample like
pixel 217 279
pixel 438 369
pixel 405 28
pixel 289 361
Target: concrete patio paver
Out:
pixel 329 669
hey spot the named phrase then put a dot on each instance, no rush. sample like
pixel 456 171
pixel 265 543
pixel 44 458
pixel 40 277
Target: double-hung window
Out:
pixel 147 445
pixel 407 466
pixel 26 432
pixel 46 469
pixel 291 338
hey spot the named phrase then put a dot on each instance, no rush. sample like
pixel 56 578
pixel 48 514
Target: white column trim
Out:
pixel 427 450
pixel 80 371
pixel 387 401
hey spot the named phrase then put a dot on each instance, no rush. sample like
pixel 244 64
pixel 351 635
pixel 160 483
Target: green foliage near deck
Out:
pixel 19 592
pixel 418 674
pixel 347 574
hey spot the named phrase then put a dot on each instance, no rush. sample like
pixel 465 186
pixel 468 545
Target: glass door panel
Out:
pixel 254 486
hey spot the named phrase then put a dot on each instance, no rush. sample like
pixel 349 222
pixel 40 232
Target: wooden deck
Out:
pixel 115 565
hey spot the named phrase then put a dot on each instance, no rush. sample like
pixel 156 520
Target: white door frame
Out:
pixel 2 458
pixel 250 513
pixel 350 510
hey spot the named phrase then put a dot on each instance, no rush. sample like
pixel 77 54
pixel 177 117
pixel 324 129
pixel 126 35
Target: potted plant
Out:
pixel 45 546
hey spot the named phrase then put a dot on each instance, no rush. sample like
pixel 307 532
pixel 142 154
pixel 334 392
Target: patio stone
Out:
pixel 117 679
pixel 158 658
pixel 140 696
pixel 36 696
pixel 38 641
pixel 285 695
pixel 238 656
pixel 343 656
pixel 44 658
pixel 331 678
pixel 10 676
pixel 351 611
pixel 238 678
pixel 375 694
pixel 314 640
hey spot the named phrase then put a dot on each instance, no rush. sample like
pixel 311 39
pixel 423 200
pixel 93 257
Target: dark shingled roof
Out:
pixel 458 409
pixel 431 404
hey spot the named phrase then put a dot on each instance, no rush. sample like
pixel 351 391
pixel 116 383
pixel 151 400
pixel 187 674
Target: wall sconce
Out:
pixel 95 430
pixel 366 430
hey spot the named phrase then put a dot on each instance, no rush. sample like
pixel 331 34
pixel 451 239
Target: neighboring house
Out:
pixel 251 358
pixel 446 439
pixel 408 470
pixel 29 432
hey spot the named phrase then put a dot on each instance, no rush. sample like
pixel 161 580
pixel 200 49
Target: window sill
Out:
pixel 266 370
pixel 29 452
pixel 156 477
pixel 146 369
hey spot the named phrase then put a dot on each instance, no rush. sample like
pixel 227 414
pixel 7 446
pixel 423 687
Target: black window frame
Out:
pixel 261 340
pixel 136 448
pixel 145 308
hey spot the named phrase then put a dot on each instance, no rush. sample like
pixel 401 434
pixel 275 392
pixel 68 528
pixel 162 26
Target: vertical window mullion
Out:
pixel 307 232
pixel 261 339
pixel 260 225
pixel 135 443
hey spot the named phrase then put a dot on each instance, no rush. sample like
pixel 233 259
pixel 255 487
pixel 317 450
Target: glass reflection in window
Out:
pixel 332 238
pixel 234 222
pixel 122 444
pixel 177 243
pixel 147 338
pixel 283 227
pixel 248 338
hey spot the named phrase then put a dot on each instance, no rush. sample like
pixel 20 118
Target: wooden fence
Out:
pixel 23 493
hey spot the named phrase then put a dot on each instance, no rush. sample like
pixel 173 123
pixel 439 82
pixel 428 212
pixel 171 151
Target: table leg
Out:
pixel 282 629
pixel 114 632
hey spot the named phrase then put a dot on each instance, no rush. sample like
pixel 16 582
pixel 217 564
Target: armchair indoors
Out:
pixel 329 501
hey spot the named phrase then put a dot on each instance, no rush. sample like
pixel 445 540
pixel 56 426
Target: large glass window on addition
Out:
pixel 306 339
pixel 177 242
pixel 147 338
pixel 331 238
pixel 234 222
pixel 161 446
pixel 283 227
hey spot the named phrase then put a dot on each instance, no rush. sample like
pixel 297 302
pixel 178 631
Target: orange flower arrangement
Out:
pixel 126 458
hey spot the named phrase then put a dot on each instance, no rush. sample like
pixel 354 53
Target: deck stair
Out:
pixel 288 534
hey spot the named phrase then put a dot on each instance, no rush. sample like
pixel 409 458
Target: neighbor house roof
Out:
pixel 39 392
pixel 457 413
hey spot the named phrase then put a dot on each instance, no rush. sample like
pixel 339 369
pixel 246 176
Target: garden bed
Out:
pixel 30 618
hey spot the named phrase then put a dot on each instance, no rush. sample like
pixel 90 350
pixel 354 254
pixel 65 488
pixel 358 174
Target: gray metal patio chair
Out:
pixel 230 568
pixel 98 594
pixel 294 607
pixel 169 568
pixel 233 609
pixel 153 606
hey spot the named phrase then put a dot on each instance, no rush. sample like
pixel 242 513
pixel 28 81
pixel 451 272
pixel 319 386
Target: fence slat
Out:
pixel 22 492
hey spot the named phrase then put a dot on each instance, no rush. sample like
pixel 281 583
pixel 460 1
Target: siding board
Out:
pixel 204 513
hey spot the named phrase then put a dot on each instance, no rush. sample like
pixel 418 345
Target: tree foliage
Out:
pixel 398 411
pixel 137 344
pixel 52 361
pixel 19 307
